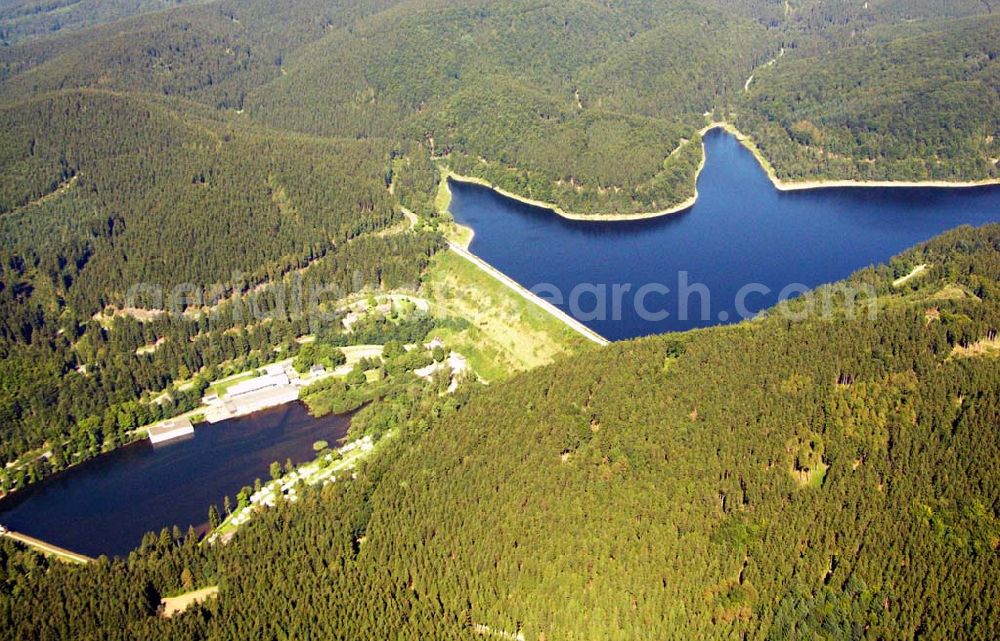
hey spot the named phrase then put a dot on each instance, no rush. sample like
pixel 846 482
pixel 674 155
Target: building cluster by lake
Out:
pixel 274 387
pixel 277 385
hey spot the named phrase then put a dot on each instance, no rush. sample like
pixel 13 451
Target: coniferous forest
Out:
pixel 829 479
pixel 173 173
pixel 592 106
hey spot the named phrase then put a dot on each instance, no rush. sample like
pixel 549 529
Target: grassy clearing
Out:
pixel 925 292
pixel 951 292
pixel 508 334
pixel 458 234
pixel 357 353
pixel 177 604
pixel 812 477
pixel 986 348
pixel 817 476
pixel 442 200
pixel 222 386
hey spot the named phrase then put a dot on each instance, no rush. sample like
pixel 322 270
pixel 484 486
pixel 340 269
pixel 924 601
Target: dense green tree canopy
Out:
pixel 830 478
pixel 827 478
pixel 577 103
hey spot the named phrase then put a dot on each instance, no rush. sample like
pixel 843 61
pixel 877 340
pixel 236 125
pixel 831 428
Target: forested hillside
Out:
pixel 826 478
pixel 176 189
pixel 24 19
pixel 213 52
pixel 573 103
pixel 109 200
pixel 861 113
pixel 590 106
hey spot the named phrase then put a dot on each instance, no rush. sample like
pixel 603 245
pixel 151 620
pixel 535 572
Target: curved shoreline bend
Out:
pixel 803 185
pixel 747 142
pixel 592 218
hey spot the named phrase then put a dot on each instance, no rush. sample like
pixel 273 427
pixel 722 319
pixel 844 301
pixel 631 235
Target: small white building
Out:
pixel 169 430
pixel 457 363
pixel 275 369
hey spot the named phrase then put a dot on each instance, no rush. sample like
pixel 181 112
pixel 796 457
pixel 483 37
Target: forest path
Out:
pixel 61 189
pixel 410 216
pixel 902 280
pixel 769 63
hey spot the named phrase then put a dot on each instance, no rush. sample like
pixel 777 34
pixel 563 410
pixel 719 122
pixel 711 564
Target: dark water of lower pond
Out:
pixel 104 506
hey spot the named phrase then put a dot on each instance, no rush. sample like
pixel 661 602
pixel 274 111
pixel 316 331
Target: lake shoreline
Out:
pixel 106 505
pixel 559 211
pixel 529 296
pixel 628 280
pixel 749 145
pixel 835 183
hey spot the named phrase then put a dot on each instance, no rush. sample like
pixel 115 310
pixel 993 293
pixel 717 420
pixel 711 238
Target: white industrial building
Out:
pixel 261 399
pixel 274 376
pixel 246 397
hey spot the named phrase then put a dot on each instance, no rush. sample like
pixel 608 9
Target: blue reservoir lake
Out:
pixel 105 505
pixel 741 231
